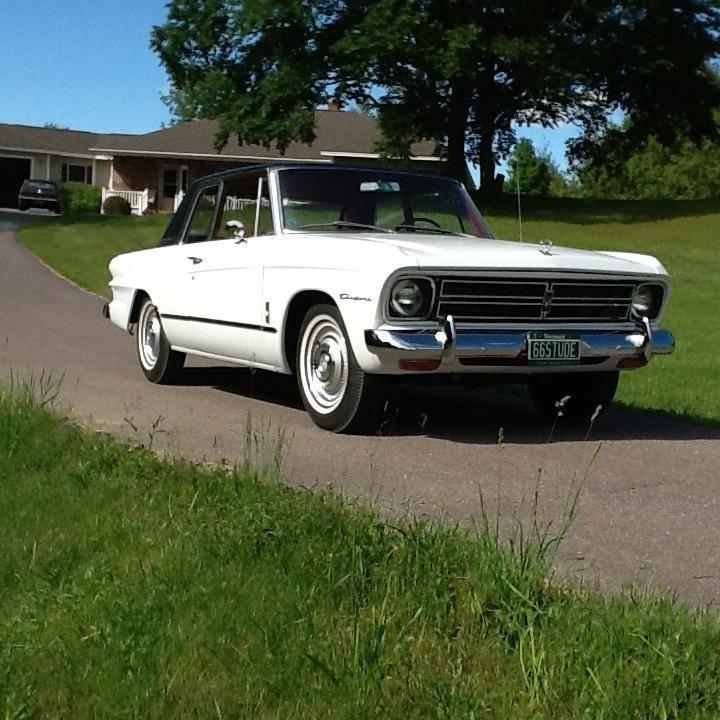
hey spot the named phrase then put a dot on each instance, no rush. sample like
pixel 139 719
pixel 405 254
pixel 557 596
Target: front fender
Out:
pixel 356 295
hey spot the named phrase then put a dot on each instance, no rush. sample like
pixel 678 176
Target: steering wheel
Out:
pixel 405 226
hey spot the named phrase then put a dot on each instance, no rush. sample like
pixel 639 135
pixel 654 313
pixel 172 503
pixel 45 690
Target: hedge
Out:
pixel 79 198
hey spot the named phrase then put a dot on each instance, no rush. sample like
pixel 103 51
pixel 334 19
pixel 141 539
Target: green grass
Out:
pixel 685 235
pixel 80 247
pixel 133 587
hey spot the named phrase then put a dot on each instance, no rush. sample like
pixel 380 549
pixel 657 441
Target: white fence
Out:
pixel 138 199
pixel 236 203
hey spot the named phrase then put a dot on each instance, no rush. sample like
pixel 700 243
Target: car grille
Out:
pixel 490 300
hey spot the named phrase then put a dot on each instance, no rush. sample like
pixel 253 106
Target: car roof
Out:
pixel 248 169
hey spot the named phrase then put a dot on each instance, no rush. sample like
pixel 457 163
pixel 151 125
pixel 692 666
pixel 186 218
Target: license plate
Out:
pixel 549 349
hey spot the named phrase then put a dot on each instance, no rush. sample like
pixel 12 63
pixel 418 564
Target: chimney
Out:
pixel 333 105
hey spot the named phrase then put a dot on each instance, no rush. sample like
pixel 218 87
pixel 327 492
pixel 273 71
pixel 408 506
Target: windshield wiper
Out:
pixel 423 229
pixel 339 223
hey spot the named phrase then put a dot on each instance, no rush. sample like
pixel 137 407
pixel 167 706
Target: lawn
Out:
pixel 81 247
pixel 135 587
pixel 684 235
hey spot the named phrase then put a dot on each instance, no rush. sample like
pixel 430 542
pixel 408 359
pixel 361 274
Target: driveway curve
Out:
pixel 648 509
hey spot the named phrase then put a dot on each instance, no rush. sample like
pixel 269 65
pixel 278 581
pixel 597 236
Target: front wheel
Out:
pixel 159 362
pixel 577 396
pixel 337 394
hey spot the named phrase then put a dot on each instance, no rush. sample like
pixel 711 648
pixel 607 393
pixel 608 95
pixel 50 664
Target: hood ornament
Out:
pixel 545 247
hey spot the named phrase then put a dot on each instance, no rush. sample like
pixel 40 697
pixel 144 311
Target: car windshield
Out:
pixel 349 200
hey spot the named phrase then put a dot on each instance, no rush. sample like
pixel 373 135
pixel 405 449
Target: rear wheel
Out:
pixel 585 393
pixel 337 394
pixel 159 362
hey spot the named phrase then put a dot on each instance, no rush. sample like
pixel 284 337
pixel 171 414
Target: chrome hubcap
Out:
pixel 149 337
pixel 324 367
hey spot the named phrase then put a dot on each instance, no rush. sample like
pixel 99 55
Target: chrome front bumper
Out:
pixel 509 347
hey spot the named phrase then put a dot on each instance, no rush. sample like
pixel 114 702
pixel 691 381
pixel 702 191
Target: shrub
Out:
pixel 79 198
pixel 116 205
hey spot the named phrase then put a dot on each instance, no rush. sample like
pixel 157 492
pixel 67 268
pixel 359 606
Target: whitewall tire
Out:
pixel 337 394
pixel 159 362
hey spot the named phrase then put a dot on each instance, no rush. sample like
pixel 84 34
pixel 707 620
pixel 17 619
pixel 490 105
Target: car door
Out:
pixel 224 270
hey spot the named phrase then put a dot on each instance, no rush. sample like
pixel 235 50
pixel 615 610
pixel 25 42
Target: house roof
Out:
pixel 339 134
pixel 58 141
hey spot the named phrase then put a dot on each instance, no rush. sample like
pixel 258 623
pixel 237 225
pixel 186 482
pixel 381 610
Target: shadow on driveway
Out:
pixel 457 414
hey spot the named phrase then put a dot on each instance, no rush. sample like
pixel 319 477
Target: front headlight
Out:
pixel 411 298
pixel 647 301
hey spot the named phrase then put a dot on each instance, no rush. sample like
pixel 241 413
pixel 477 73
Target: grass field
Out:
pixel 685 236
pixel 132 587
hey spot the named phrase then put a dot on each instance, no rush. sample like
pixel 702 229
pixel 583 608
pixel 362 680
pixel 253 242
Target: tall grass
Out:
pixel 137 587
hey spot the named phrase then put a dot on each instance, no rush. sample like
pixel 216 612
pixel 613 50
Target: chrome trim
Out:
pixel 539 298
pixel 513 344
pixel 438 275
pixel 386 294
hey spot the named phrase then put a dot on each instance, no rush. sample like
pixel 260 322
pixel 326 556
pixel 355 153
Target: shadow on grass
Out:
pixel 457 414
pixel 579 211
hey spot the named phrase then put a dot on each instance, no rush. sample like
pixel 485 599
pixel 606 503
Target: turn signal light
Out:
pixel 419 365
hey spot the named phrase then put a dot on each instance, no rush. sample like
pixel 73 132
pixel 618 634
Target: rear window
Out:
pixel 39 185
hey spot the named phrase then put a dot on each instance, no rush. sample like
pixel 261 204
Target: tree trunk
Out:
pixel 456 163
pixel 457 129
pixel 490 184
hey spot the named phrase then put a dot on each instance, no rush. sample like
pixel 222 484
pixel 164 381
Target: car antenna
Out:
pixel 519 204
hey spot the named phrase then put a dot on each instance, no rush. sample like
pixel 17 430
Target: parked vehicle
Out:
pixel 39 194
pixel 348 277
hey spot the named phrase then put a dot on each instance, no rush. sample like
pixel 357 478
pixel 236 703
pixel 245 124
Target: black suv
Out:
pixel 40 194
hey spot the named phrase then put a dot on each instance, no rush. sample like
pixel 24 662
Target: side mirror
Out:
pixel 237 229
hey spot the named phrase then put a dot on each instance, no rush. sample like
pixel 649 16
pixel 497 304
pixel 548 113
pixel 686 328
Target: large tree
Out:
pixel 460 72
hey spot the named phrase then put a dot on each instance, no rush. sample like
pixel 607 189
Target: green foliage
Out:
pixel 79 198
pixel 533 173
pixel 681 170
pixel 116 205
pixel 460 73
pixel 139 588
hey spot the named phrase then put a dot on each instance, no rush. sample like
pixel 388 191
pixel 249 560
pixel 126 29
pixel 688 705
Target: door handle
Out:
pixel 195 260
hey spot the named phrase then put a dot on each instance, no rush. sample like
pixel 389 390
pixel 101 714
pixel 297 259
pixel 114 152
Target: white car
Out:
pixel 347 277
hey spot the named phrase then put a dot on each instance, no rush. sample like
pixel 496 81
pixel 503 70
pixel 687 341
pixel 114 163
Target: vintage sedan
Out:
pixel 348 277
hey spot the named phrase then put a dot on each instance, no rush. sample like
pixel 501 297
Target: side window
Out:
pixel 201 222
pixel 240 204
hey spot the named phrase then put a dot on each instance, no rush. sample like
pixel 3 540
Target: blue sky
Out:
pixel 86 64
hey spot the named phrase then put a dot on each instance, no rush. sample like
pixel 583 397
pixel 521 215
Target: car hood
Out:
pixel 455 251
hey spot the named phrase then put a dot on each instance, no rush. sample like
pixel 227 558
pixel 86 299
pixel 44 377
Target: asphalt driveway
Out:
pixel 649 501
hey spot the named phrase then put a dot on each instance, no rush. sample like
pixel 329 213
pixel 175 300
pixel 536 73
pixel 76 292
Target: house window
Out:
pixel 169 182
pixel 76 173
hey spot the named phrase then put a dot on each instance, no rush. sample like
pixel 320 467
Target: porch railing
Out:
pixel 138 199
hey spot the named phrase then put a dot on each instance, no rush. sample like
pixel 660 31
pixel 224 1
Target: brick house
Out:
pixel 153 170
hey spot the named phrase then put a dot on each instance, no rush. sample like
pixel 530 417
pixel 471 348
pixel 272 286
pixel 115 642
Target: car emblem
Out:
pixel 39 191
pixel 346 296
pixel 546 247
pixel 547 301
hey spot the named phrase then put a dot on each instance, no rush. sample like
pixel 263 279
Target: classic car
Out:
pixel 39 194
pixel 350 277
